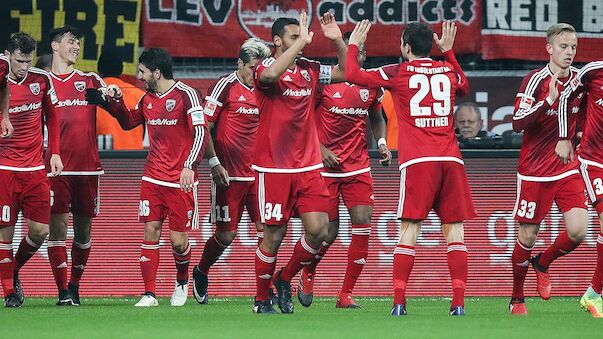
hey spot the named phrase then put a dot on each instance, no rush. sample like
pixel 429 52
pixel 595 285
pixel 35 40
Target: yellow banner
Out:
pixel 114 23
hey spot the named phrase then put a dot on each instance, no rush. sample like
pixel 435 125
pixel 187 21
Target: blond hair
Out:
pixel 253 48
pixel 557 29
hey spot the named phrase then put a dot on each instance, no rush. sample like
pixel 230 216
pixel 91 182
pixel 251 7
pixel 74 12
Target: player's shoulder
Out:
pixel 88 76
pixel 187 92
pixel 222 85
pixel 305 63
pixel 39 73
pixel 4 59
pixel 387 71
pixel 534 80
pixel 266 62
pixel 591 67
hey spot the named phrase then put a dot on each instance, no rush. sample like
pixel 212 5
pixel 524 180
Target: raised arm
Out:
pixel 373 78
pixel 445 44
pixel 332 32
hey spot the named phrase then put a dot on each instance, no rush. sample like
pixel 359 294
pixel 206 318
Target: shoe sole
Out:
pixel 591 309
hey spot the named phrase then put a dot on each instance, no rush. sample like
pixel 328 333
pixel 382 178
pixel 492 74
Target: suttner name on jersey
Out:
pixel 348 111
pixel 163 122
pixel 243 110
pixel 431 122
pixel 25 107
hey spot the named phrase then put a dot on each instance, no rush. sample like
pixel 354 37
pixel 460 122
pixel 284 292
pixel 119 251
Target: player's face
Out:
pixel 148 77
pixel 562 49
pixel 289 38
pixel 361 54
pixel 19 64
pixel 245 71
pixel 68 48
pixel 468 122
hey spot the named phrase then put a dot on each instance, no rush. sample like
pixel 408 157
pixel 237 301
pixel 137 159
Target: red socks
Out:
pixel 264 270
pixel 324 247
pixel 57 255
pixel 457 265
pixel 404 260
pixel 520 260
pixel 357 254
pixel 562 246
pixel 182 261
pixel 598 275
pixel 303 254
pixel 79 259
pixel 149 263
pixel 27 248
pixel 211 253
pixel 7 267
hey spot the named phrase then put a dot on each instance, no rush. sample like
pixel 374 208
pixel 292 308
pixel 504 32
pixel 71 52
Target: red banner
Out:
pixel 207 28
pixel 113 268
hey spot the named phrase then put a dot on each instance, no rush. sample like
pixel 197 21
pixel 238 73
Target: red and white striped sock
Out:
pixel 265 264
pixel 57 255
pixel 357 255
pixel 404 260
pixel 520 260
pixel 211 253
pixel 303 254
pixel 79 260
pixel 182 262
pixel 149 263
pixel 7 267
pixel 457 265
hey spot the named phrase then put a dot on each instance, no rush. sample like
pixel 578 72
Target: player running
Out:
pixel 342 110
pixel 287 157
pixel 25 186
pixel 589 80
pixel 432 173
pixel 174 119
pixel 231 108
pixel 541 178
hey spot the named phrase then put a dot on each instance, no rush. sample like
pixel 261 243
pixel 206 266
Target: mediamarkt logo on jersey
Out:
pixel 74 102
pixel 25 107
pixel 348 111
pixel 163 122
pixel 244 110
pixel 306 92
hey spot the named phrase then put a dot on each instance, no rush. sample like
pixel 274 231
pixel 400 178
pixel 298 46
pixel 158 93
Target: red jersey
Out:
pixel 4 68
pixel 287 140
pixel 588 80
pixel 342 110
pixel 537 118
pixel 423 91
pixel 176 130
pixel 30 98
pixel 79 151
pixel 232 107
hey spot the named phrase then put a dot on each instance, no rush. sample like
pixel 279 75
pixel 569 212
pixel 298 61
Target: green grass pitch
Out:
pixel 232 318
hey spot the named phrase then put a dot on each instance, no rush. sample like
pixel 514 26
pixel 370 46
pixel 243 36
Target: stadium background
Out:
pixel 498 42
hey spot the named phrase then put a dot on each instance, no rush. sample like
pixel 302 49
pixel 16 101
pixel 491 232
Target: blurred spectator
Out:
pixel 110 67
pixel 468 121
pixel 392 122
pixel 44 62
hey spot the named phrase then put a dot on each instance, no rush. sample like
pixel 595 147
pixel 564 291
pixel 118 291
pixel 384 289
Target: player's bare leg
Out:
pixel 591 299
pixel 80 252
pixel 149 262
pixel 7 267
pixel 57 255
pixel 36 235
pixel 520 261
pixel 357 253
pixel 265 264
pixel 404 260
pixel 182 254
pixel 576 221
pixel 457 265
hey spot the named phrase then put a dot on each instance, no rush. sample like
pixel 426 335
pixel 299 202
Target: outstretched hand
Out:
pixel 360 33
pixel 329 26
pixel 446 42
pixel 304 34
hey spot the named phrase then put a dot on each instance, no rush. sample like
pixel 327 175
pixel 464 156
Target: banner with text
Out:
pixel 110 23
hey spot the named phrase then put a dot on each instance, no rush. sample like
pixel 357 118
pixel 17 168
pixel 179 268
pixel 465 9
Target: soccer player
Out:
pixel 541 178
pixel 174 118
pixel 7 127
pixel 77 189
pixel 25 186
pixel 432 173
pixel 287 157
pixel 231 108
pixel 589 80
pixel 342 110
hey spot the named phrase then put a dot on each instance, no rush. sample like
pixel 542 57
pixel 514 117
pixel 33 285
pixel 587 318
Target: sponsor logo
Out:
pixel 210 108
pixel 80 267
pixel 62 265
pixel 364 94
pixel 305 74
pixel 35 88
pixel 170 104
pixel 305 263
pixel 243 110
pixel 242 98
pixel 551 111
pixel 25 107
pixel 198 118
pixel 74 102
pixel 150 106
pixel 526 103
pixel 306 92
pixel 599 102
pixel 256 17
pixel 80 85
pixel 360 261
pixel 53 96
pixel 5 261
pixel 575 109
pixel 265 276
pixel 144 259
pixel 523 264
pixel 287 78
pixel 348 111
pixel 162 122
pixel 337 95
pixel 189 214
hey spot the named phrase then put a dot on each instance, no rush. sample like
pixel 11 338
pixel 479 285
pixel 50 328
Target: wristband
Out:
pixel 213 162
pixel 381 141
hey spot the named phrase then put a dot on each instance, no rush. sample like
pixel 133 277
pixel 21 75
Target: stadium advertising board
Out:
pixel 113 23
pixel 114 269
pixel 515 29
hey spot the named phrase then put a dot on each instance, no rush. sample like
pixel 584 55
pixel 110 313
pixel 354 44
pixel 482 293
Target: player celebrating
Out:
pixel 77 190
pixel 173 115
pixel 541 178
pixel 232 108
pixel 25 185
pixel 432 174
pixel 342 109
pixel 287 156
pixel 588 80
